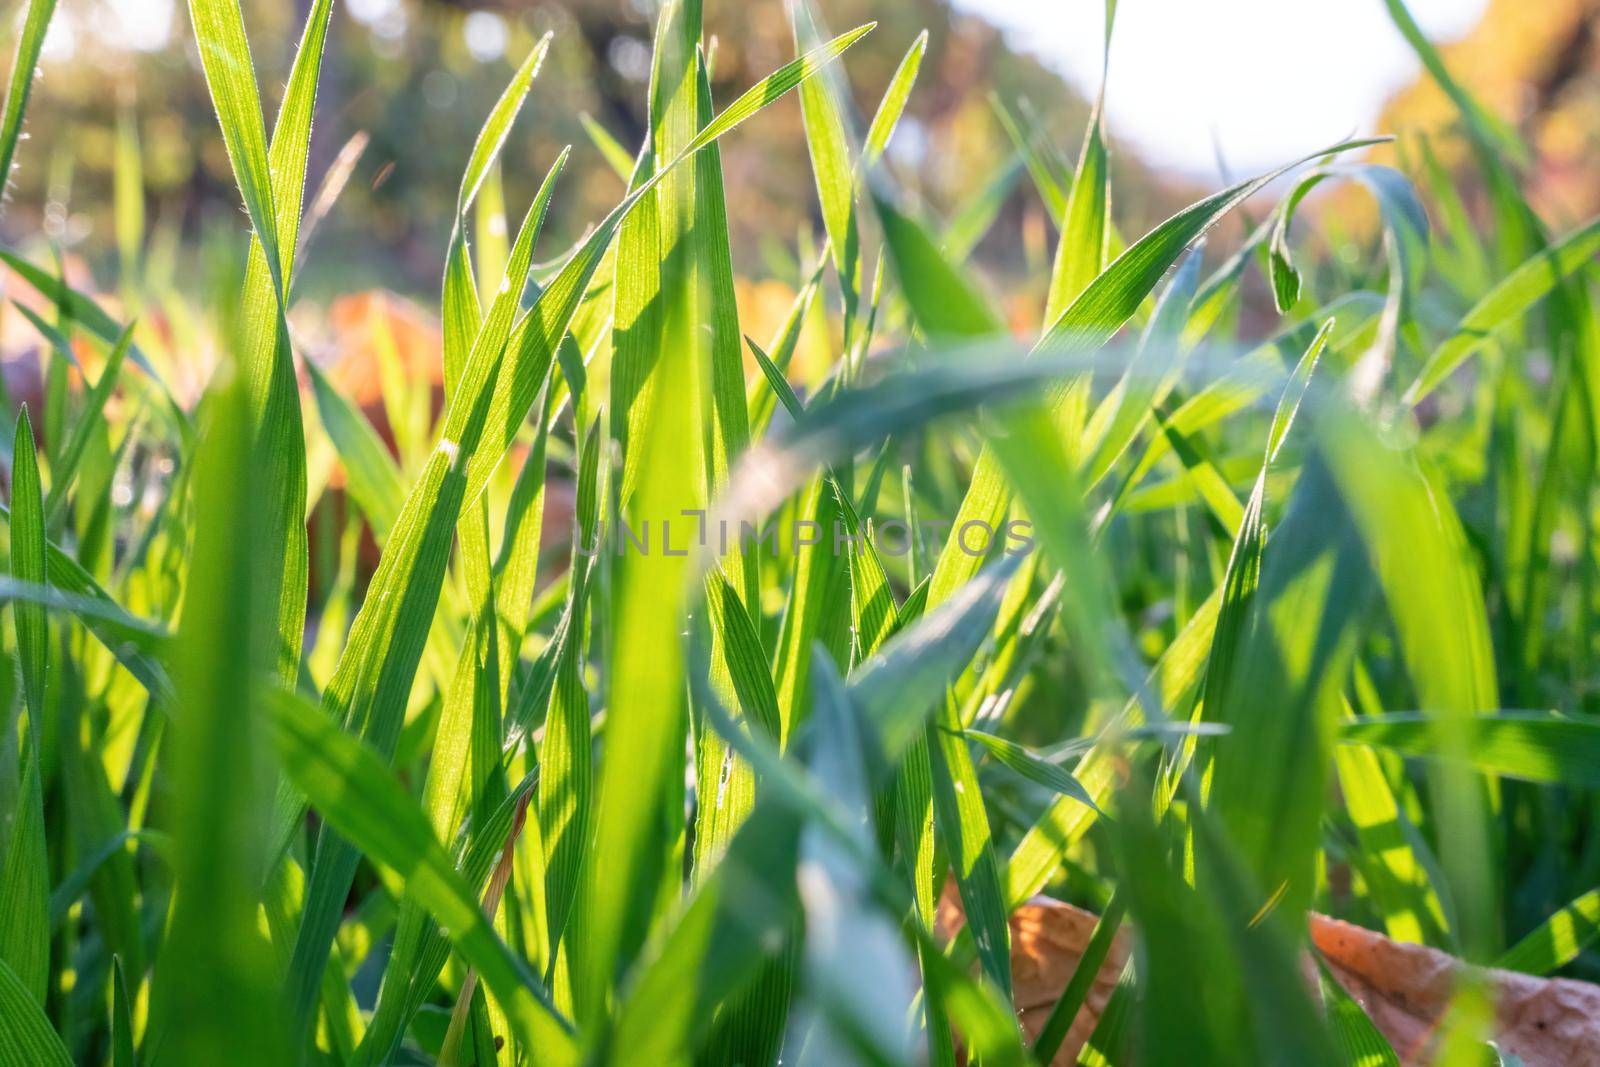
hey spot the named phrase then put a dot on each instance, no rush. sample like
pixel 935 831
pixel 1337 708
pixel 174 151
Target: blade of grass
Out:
pixel 324 762
pixel 1556 941
pixel 26 1038
pixel 24 68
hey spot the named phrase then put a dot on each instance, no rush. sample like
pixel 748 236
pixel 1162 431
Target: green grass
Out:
pixel 1308 620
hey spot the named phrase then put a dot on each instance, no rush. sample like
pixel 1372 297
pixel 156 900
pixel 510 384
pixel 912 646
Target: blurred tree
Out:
pixel 1536 63
pixel 419 75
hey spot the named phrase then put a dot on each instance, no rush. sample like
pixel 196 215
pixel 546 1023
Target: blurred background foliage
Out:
pixel 414 75
pixel 120 78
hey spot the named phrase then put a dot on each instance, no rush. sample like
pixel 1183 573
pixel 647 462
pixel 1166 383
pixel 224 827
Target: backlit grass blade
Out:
pixel 641 793
pixel 83 310
pixel 644 715
pixel 1113 296
pixel 776 85
pixel 828 144
pixel 726 420
pixel 1501 306
pixel 89 418
pixel 370 686
pixel 215 985
pixel 1532 746
pixel 25 877
pixel 24 68
pixel 1085 242
pixel 1144 385
pixel 566 779
pixel 382 818
pixel 943 299
pixel 747 660
pixel 1558 940
pixel 271 183
pixel 1398 871
pixel 1202 649
pixel 492 137
pixel 540 330
pixel 230 76
pixel 1088 322
pixel 461 309
pixel 893 105
pixel 1300 617
pixel 371 474
pixel 530 351
pixel 1420 556
pixel 963 825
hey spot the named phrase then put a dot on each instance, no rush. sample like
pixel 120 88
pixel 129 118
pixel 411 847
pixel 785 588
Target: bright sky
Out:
pixel 1262 81
pixel 1266 80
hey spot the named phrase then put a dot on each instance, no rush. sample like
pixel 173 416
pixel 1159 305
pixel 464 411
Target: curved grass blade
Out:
pixel 350 785
pixel 1531 746
pixel 1088 322
pixel 1501 306
pixel 1032 766
pixel 83 310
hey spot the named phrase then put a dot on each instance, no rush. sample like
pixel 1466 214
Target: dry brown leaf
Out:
pixel 1547 1022
pixel 1404 988
pixel 1047 940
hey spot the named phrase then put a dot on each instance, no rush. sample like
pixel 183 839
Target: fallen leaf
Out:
pixel 1404 988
